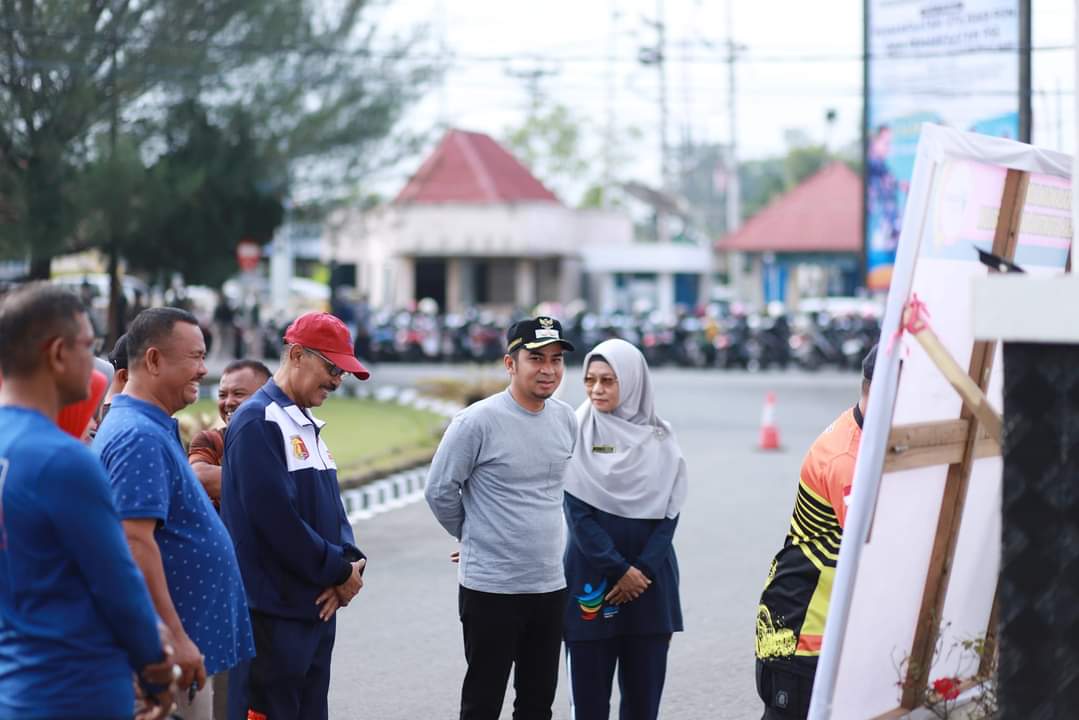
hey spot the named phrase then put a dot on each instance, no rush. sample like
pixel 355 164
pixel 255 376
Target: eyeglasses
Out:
pixel 605 382
pixel 333 370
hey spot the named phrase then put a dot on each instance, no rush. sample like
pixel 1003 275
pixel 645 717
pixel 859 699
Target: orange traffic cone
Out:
pixel 769 431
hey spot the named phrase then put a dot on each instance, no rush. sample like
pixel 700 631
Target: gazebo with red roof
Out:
pixel 812 232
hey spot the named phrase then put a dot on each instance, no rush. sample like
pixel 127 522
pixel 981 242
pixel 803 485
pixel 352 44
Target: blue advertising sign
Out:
pixel 940 61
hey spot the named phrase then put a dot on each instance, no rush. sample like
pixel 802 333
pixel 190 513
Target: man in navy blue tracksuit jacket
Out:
pixel 281 502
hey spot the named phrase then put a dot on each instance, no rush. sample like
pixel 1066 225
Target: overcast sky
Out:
pixel 797 61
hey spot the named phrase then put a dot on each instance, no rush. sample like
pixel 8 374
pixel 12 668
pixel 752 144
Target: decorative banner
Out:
pixel 953 63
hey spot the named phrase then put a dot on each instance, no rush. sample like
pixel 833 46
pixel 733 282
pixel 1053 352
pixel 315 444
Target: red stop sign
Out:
pixel 248 254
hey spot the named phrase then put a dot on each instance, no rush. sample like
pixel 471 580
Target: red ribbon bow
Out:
pixel 915 319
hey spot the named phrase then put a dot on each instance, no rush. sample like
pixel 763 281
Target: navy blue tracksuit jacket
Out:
pixel 282 505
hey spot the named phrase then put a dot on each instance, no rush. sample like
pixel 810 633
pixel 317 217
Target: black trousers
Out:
pixel 500 631
pixel 785 694
pixel 642 669
pixel 289 677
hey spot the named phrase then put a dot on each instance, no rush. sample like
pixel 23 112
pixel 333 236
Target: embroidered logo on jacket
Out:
pixel 299 449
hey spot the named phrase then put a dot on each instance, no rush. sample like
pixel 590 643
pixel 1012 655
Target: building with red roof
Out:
pixel 806 242
pixel 471 168
pixel 474 227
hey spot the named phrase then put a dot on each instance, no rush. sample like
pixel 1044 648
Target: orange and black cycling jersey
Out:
pixel 794 604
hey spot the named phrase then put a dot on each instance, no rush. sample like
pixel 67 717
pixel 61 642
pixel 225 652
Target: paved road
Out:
pixel 399 653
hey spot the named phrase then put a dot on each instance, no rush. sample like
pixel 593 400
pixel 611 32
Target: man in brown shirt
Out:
pixel 240 380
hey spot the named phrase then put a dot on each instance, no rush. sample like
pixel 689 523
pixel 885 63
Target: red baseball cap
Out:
pixel 327 334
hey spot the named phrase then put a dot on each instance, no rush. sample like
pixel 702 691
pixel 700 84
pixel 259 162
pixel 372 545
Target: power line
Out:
pixel 745 55
pixel 793 90
pixel 533 78
pixel 733 190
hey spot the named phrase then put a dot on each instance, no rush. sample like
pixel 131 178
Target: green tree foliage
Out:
pixel 549 143
pixel 187 210
pixel 802 162
pixel 211 188
pixel 318 88
pixel 327 97
pixel 553 143
pixel 66 69
pixel 112 196
pixel 702 170
pixel 762 180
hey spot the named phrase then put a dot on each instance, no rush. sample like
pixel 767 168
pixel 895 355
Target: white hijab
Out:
pixel 642 474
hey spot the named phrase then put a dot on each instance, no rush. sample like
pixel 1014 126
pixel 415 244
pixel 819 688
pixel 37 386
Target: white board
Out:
pixel 955 190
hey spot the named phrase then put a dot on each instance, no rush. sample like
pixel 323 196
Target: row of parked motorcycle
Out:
pixel 729 341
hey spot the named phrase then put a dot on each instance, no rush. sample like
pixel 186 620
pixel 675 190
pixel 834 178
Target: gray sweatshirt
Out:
pixel 496 485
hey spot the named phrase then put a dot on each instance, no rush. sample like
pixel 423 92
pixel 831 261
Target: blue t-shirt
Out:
pixel 140 447
pixel 75 616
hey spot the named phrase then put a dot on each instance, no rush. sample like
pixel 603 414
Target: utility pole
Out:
pixel 734 195
pixel 533 78
pixel 657 56
pixel 733 214
pixel 610 131
pixel 442 25
pixel 661 68
pixel 1026 129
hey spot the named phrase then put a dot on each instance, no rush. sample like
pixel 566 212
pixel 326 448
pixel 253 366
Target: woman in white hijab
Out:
pixel 625 487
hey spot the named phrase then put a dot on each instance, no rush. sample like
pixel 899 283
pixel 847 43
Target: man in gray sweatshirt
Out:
pixel 496 485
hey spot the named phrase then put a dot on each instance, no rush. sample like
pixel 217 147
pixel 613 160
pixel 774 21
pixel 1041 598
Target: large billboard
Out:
pixel 950 62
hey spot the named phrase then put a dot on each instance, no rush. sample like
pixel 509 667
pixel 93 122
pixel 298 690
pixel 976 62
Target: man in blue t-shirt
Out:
pixel 177 539
pixel 75 617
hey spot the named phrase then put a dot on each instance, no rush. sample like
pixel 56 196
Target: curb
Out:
pixel 405 396
pixel 396 491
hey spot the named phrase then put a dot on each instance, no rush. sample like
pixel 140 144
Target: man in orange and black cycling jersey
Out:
pixel 794 604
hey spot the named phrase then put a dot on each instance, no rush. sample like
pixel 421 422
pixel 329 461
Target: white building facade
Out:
pixel 474 229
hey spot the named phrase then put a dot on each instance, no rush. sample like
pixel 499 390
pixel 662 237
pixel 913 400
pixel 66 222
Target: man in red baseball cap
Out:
pixel 281 502
pixel 327 336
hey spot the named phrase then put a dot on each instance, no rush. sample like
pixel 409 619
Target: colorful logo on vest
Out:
pixel 591 601
pixel 299 449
